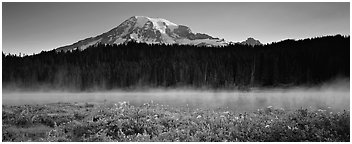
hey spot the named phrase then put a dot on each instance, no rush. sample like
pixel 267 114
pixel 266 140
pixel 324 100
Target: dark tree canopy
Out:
pixel 137 65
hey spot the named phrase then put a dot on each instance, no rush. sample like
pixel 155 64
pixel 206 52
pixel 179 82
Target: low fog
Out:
pixel 332 96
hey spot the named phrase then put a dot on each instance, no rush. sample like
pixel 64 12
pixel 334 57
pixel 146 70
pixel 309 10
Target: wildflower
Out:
pixel 321 110
pixel 288 127
pixel 199 116
pixel 306 127
pixel 266 126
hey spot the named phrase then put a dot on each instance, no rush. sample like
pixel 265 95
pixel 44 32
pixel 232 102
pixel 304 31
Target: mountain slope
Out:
pixel 148 30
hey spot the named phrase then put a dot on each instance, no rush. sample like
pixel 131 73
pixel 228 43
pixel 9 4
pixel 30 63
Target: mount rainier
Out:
pixel 148 30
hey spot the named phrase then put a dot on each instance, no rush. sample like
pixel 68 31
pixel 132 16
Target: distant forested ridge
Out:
pixel 134 65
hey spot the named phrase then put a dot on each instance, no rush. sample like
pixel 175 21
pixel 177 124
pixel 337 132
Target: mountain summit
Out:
pixel 148 30
pixel 251 41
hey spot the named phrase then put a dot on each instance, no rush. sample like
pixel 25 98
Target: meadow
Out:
pixel 271 116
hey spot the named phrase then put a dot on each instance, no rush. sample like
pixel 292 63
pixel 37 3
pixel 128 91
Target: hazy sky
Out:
pixel 33 27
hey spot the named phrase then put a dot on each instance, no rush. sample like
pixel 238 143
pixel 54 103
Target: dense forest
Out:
pixel 138 65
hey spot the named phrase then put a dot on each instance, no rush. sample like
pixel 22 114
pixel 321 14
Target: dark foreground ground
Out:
pixel 154 122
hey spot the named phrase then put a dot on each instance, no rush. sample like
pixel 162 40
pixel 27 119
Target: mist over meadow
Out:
pixel 289 74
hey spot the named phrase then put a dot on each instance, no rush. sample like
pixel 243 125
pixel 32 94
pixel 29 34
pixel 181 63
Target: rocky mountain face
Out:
pixel 148 30
pixel 251 41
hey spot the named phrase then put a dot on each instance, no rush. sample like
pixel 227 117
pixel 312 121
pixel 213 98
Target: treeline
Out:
pixel 134 65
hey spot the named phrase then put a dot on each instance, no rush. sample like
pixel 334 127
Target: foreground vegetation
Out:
pixel 154 122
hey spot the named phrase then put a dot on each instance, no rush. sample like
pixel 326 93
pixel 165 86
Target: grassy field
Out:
pixel 155 122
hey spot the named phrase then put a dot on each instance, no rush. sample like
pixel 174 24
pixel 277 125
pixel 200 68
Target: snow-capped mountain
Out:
pixel 148 30
pixel 251 41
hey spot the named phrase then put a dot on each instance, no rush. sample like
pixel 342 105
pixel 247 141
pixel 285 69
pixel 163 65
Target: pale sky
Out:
pixel 32 27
